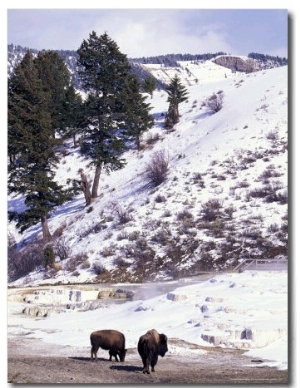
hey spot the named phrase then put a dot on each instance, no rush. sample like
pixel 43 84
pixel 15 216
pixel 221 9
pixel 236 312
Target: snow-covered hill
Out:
pixel 224 200
pixel 191 72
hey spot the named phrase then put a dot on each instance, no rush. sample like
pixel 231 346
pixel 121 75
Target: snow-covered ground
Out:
pixel 235 310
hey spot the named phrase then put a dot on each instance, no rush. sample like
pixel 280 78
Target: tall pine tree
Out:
pixel 31 147
pixel 137 118
pixel 105 73
pixel 73 118
pixel 56 80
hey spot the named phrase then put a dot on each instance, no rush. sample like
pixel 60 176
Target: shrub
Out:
pixel 161 236
pixel 85 265
pixel 206 261
pixel 128 250
pixel 167 213
pixel 216 228
pixel 251 233
pixel 120 262
pixel 123 215
pixel 49 256
pixel 98 268
pixel 133 236
pixel 122 236
pixel 108 251
pixel 61 248
pixel 184 215
pixel 143 255
pixel 160 199
pixel 152 138
pixel 175 252
pixel 22 263
pixel 11 241
pixel 197 178
pixel 229 211
pixel 211 210
pixel 261 192
pixel 75 261
pixel 59 231
pixel 273 228
pixel 244 184
pixel 144 261
pixel 282 198
pixel 157 169
pixel 141 245
pixel 269 172
pixel 215 101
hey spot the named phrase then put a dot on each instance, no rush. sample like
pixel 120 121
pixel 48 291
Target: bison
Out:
pixel 111 340
pixel 150 346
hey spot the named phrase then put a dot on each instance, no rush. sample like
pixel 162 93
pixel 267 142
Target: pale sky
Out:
pixel 153 31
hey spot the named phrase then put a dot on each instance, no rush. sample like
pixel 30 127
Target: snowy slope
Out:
pixel 191 72
pixel 227 156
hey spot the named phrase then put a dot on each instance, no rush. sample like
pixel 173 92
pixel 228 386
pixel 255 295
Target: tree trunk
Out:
pixel 45 229
pixel 138 143
pixel 96 181
pixel 172 116
pixel 176 108
pixel 85 187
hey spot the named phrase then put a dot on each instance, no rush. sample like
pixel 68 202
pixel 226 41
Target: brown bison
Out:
pixel 111 340
pixel 150 346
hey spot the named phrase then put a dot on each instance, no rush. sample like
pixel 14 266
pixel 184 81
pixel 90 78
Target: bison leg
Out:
pixel 113 353
pixel 94 351
pixel 146 363
pixel 154 361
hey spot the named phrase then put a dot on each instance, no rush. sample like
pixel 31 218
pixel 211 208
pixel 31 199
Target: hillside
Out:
pixel 140 66
pixel 225 197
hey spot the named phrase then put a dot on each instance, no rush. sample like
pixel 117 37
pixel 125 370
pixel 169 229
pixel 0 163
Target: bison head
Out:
pixel 123 354
pixel 163 345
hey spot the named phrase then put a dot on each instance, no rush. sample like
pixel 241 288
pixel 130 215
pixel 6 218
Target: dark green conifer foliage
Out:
pixel 137 118
pixel 149 85
pixel 105 73
pixel 73 116
pixel 55 78
pixel 31 147
pixel 49 256
pixel 177 93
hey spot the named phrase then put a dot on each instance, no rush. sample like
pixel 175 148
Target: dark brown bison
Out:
pixel 111 340
pixel 150 346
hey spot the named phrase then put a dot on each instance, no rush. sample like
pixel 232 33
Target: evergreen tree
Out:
pixel 149 85
pixel 73 117
pixel 177 93
pixel 56 80
pixel 31 146
pixel 105 73
pixel 137 119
